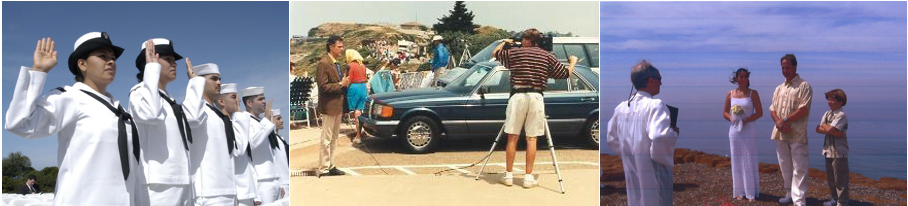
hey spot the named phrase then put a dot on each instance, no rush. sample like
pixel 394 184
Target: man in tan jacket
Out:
pixel 332 86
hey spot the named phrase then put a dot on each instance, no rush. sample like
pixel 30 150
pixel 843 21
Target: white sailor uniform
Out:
pixel 165 131
pixel 94 142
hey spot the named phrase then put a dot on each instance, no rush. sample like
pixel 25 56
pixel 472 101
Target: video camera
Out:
pixel 545 42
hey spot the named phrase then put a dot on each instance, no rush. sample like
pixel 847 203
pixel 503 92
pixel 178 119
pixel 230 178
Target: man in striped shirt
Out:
pixel 530 68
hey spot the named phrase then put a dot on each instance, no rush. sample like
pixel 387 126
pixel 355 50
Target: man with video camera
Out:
pixel 531 67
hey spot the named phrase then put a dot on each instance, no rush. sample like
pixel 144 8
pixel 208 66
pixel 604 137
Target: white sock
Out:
pixel 508 174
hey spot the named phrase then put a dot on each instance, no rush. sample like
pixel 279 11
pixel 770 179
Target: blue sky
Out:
pixel 856 46
pixel 248 41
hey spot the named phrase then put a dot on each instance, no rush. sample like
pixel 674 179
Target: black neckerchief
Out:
pixel 185 131
pixel 123 117
pixel 272 138
pixel 228 128
pixel 286 148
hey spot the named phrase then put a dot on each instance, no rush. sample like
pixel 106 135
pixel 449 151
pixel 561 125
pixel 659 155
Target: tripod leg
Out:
pixel 554 158
pixel 489 155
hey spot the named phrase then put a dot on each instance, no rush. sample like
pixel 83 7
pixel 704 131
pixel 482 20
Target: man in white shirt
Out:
pixel 640 133
pixel 213 147
pixel 263 144
pixel 229 103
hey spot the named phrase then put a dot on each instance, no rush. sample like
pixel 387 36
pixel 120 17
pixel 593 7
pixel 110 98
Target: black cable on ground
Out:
pixel 366 148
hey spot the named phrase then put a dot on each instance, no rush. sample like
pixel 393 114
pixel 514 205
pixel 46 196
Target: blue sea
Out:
pixel 876 106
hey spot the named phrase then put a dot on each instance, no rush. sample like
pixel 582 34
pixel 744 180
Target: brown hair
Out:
pixel 791 58
pixel 532 34
pixel 838 94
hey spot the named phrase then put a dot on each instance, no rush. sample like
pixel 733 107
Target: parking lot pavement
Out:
pixel 382 174
pixel 581 188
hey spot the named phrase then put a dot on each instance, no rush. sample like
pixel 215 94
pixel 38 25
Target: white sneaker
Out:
pixel 785 200
pixel 529 181
pixel 507 179
pixel 831 202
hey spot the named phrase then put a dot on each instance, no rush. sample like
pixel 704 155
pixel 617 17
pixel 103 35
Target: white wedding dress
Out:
pixel 744 165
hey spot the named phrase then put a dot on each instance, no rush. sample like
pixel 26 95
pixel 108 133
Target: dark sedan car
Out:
pixel 473 106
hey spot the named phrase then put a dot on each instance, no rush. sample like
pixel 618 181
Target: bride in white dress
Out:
pixel 742 106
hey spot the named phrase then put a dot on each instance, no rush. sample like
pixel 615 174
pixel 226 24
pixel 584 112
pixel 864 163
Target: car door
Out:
pixel 486 112
pixel 567 104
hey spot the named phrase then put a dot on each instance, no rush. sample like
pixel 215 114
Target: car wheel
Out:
pixel 420 134
pixel 592 132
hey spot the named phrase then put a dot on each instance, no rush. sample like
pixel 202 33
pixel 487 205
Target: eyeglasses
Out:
pixel 659 78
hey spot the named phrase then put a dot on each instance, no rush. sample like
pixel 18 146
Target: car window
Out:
pixel 577 84
pixel 499 82
pixel 475 77
pixel 451 74
pixel 556 85
pixel 558 49
pixel 577 50
pixel 593 50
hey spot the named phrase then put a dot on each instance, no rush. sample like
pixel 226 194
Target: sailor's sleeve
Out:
pixel 144 101
pixel 241 132
pixel 194 102
pixel 662 135
pixel 32 117
pixel 258 138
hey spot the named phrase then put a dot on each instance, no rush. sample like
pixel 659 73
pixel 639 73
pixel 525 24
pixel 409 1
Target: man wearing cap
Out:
pixel 281 155
pixel 212 150
pixel 98 143
pixel 229 103
pixel 530 67
pixel 332 84
pixel 164 125
pixel 439 59
pixel 262 143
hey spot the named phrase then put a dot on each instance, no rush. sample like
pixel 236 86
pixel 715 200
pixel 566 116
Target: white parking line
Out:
pixel 458 169
pixel 350 171
pixel 402 169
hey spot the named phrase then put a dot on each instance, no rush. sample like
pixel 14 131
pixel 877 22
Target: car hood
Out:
pixel 393 98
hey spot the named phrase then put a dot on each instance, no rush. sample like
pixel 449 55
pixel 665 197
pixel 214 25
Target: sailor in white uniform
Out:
pixel 263 144
pixel 164 126
pixel 282 155
pixel 229 102
pixel 213 147
pixel 640 133
pixel 98 146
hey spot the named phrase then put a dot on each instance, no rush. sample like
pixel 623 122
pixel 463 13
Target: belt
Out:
pixel 524 90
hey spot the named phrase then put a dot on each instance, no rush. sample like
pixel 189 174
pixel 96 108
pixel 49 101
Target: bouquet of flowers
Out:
pixel 737 120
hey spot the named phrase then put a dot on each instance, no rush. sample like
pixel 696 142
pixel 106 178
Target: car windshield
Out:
pixel 482 56
pixel 466 82
pixel 450 75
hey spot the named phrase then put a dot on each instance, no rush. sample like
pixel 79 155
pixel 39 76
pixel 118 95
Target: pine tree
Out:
pixel 460 20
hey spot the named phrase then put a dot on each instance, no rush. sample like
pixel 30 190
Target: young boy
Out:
pixel 835 148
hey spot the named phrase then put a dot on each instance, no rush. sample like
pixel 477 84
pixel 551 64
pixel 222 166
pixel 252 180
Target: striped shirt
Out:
pixel 531 66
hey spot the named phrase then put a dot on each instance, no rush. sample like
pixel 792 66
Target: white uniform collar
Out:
pixel 108 97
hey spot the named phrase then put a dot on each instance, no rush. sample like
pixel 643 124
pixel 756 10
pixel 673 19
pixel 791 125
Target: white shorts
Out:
pixel 525 111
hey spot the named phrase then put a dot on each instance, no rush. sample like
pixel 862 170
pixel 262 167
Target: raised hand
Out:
pixel 268 113
pixel 45 56
pixel 150 54
pixel 191 73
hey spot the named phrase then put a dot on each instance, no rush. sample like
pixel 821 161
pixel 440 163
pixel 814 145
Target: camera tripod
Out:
pixel 548 138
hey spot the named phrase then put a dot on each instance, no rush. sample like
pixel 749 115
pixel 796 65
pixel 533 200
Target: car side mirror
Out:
pixel 482 91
